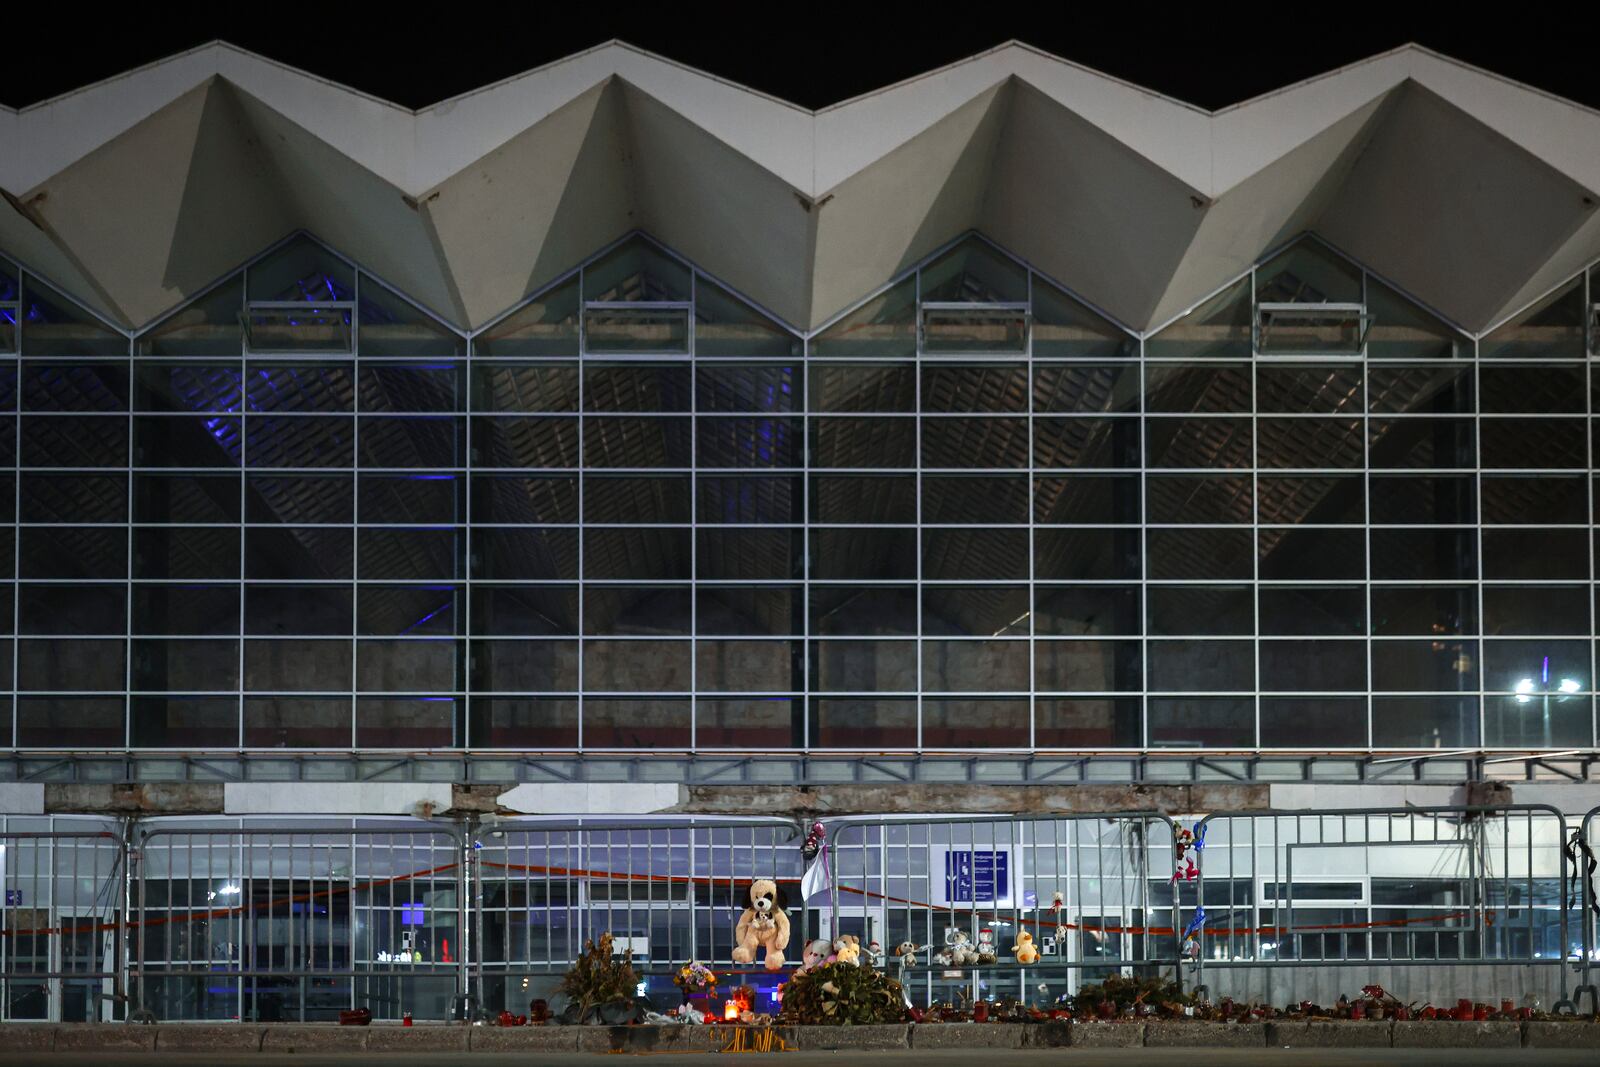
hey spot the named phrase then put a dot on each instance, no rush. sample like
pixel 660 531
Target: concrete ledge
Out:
pixel 1108 1035
pixel 1450 1034
pixel 1318 1033
pixel 314 1039
pixel 185 1040
pixel 1205 1035
pixel 417 1038
pixel 809 1038
pixel 105 1037
pixel 28 1037
pixel 643 1039
pixel 968 1035
pixel 522 1038
pixel 1561 1035
pixel 1057 1033
pixel 206 1038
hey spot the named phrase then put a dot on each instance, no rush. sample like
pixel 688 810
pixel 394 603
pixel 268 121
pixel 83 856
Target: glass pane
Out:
pixel 651 330
pixel 545 326
pixel 392 326
pixel 1553 328
pixel 727 326
pixel 1065 327
pixel 1218 328
pixel 53 325
pixel 884 326
pixel 1402 330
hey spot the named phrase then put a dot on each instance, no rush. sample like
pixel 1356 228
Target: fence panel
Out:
pixel 668 891
pixel 1586 888
pixel 920 880
pixel 297 924
pixel 1435 904
pixel 62 921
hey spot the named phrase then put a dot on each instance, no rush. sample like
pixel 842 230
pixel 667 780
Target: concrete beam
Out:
pixel 164 798
pixel 595 798
pixel 21 798
pixel 922 798
pixel 421 799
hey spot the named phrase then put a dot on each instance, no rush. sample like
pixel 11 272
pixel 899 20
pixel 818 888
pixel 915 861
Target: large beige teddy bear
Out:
pixel 763 925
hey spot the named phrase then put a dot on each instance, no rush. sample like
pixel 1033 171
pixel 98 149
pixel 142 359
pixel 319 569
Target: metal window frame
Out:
pixel 466 582
pixel 1265 310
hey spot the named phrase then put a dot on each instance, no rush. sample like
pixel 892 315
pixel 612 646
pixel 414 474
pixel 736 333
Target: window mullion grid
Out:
pixel 806 443
pixel 127 606
pixel 244 468
pixel 1477 504
pixel 1032 516
pixel 1144 562
pixel 462 506
pixel 1588 436
pixel 916 458
pixel 1366 518
pixel 16 540
pixel 694 533
pixel 1255 532
pixel 355 511
pixel 583 479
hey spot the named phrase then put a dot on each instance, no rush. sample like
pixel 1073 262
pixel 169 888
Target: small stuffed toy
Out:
pixel 816 954
pixel 847 949
pixel 986 954
pixel 962 952
pixel 1024 950
pixel 762 926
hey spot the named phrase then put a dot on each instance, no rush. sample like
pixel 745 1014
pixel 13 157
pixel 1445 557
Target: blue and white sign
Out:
pixel 971 876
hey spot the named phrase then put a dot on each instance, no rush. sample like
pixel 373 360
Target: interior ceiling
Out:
pixel 1468 191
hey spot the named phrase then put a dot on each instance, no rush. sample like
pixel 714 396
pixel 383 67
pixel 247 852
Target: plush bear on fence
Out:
pixel 762 926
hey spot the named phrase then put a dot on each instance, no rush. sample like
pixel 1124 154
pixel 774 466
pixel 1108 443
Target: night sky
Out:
pixel 813 56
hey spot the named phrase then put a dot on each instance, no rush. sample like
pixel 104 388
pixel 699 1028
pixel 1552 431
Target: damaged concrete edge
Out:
pixel 620 799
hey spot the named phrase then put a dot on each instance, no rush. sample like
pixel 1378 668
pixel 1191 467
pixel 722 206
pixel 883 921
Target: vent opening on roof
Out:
pixel 636 328
pixel 974 329
pixel 1307 329
pixel 281 326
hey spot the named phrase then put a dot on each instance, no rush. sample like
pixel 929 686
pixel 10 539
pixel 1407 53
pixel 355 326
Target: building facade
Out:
pixel 624 448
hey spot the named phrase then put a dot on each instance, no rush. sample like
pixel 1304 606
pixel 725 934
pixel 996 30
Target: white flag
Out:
pixel 815 880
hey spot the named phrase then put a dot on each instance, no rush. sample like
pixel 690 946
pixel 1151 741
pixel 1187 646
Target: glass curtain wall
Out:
pixel 971 513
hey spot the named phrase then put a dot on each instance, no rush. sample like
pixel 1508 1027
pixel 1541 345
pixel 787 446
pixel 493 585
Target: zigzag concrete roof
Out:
pixel 1474 193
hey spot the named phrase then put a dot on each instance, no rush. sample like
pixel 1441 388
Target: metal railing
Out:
pixel 297 924
pixel 931 881
pixel 669 891
pixel 212 919
pixel 1585 886
pixel 63 924
pixel 1295 901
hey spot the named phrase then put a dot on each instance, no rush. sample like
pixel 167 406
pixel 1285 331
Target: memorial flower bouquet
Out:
pixel 695 977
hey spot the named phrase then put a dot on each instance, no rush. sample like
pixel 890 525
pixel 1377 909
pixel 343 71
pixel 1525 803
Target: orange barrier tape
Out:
pixel 237 909
pixel 680 879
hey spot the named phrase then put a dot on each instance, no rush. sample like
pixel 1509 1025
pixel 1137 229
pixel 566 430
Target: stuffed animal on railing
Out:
pixel 1024 949
pixel 764 925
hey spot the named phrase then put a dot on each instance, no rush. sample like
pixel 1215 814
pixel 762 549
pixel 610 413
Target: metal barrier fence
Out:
pixel 991 879
pixel 228 919
pixel 298 924
pixel 668 893
pixel 1424 901
pixel 62 925
pixel 1581 857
